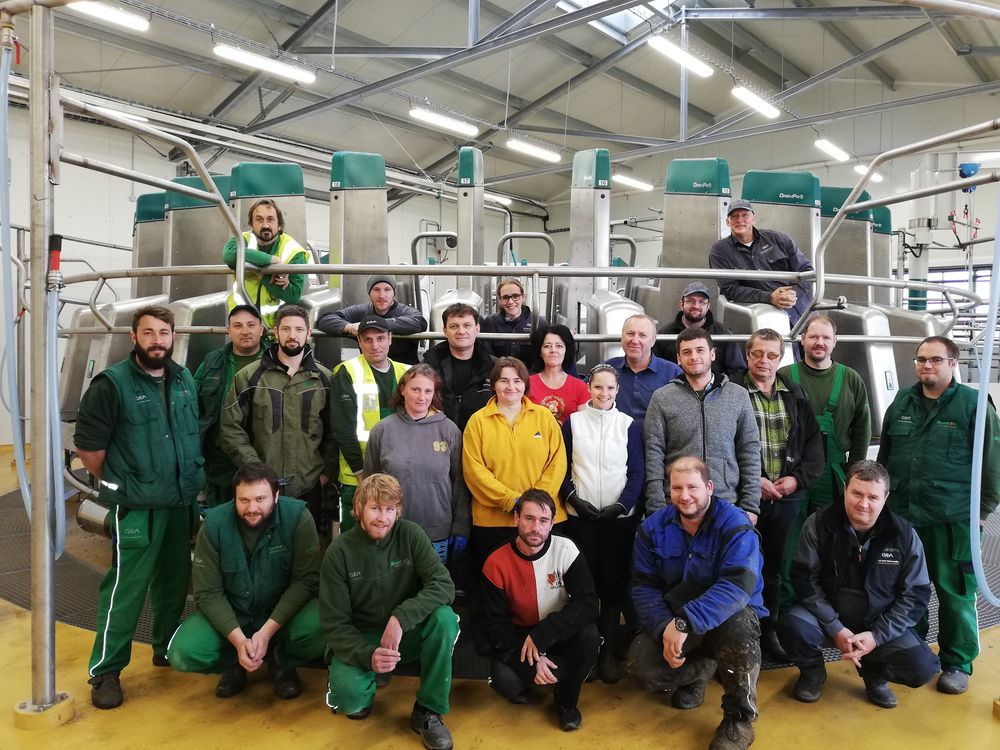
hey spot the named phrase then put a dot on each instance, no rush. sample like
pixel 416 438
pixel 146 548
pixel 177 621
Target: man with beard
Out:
pixel 278 413
pixel 255 578
pixel 267 245
pixel 214 378
pixel 137 435
pixel 696 312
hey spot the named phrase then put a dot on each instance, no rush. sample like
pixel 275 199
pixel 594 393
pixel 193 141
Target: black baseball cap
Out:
pixel 740 205
pixel 373 321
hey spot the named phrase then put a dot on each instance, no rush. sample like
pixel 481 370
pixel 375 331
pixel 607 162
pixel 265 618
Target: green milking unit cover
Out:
pixel 150 207
pixel 592 169
pixel 470 167
pixel 353 170
pixel 176 200
pixel 786 188
pixel 698 177
pixel 833 198
pixel 255 179
pixel 882 220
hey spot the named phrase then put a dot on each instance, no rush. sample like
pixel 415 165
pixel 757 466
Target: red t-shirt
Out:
pixel 562 401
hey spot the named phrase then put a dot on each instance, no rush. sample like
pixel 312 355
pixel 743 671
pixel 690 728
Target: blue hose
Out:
pixel 979 436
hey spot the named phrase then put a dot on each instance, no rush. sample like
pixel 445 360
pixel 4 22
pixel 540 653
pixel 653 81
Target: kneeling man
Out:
pixel 255 576
pixel 383 566
pixel 698 591
pixel 860 581
pixel 539 611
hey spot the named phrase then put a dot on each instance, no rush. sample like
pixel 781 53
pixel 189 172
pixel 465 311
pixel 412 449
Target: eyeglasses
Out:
pixel 511 297
pixel 758 354
pixel 935 361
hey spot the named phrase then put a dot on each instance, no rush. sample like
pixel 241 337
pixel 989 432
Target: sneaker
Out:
pixel 359 715
pixel 106 690
pixel 771 648
pixel 953 681
pixel 569 718
pixel 733 734
pixel 688 696
pixel 232 682
pixel 431 728
pixel 879 693
pixel 809 686
pixel 286 683
pixel 160 661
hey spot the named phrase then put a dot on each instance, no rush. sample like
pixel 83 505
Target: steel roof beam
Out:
pixel 520 19
pixel 844 13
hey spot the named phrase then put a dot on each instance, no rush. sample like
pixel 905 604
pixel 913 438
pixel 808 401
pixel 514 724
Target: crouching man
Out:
pixel 861 582
pixel 698 592
pixel 255 576
pixel 386 566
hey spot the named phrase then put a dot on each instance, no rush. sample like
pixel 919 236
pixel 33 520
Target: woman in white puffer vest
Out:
pixel 604 479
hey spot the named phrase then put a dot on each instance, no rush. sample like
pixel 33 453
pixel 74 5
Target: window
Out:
pixel 619 24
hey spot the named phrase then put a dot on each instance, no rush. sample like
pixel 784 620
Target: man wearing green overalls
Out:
pixel 840 403
pixel 255 578
pixel 360 391
pixel 137 435
pixel 927 444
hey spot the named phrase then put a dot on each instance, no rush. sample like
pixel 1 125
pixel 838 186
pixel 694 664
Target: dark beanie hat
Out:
pixel 375 279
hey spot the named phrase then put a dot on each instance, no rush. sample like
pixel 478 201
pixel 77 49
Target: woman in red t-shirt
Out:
pixel 556 387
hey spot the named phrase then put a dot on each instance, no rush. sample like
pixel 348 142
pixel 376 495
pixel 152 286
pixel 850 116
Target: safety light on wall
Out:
pixel 501 199
pixel 861 169
pixel 751 99
pixel 681 57
pixel 111 14
pixel 631 182
pixel 267 64
pixel 516 144
pixel 832 149
pixel 439 120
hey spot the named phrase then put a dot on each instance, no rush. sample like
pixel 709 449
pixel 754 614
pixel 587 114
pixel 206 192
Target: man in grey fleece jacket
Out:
pixel 704 415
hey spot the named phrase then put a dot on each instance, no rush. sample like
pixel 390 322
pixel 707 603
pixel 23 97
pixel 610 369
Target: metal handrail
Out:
pixel 527 236
pixel 630 241
pixel 417 302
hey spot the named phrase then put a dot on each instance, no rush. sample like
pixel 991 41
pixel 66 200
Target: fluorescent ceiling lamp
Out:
pixel 749 98
pixel 861 169
pixel 501 199
pixel 631 182
pixel 444 121
pixel 123 115
pixel 111 14
pixel 267 64
pixel 833 150
pixel 532 150
pixel 679 56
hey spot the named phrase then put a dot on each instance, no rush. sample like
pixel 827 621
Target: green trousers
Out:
pixel 198 647
pixel 432 642
pixel 819 497
pixel 949 564
pixel 151 552
pixel 347 520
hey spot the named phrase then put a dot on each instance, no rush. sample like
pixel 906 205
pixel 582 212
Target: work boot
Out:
pixel 879 693
pixel 232 682
pixel 953 681
pixel 507 683
pixel 286 683
pixel 160 661
pixel 431 728
pixel 610 669
pixel 809 686
pixel 106 690
pixel 688 696
pixel 771 648
pixel 382 679
pixel 360 715
pixel 569 718
pixel 733 733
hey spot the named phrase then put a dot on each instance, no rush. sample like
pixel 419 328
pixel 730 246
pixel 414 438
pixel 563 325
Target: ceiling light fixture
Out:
pixel 111 14
pixel 681 57
pixel 267 64
pixel 444 121
pixel 632 182
pixel 751 99
pixel 531 149
pixel 862 169
pixel 832 149
pixel 501 199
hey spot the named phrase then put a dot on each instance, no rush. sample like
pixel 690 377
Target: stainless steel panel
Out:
pixel 359 233
pixel 801 223
pixel 206 310
pixel 608 312
pixel 849 252
pixel 468 296
pixel 882 255
pixel 909 323
pixel 750 318
pixel 320 300
pixel 195 236
pixel 471 236
pixel 589 246
pixel 149 251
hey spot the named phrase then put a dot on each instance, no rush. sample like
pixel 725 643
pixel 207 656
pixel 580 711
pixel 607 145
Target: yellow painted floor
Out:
pixel 171 710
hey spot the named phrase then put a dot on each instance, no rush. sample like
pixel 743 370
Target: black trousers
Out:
pixel 774 524
pixel 607 548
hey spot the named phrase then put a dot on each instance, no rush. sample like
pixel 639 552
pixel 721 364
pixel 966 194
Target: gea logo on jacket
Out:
pixel 890 556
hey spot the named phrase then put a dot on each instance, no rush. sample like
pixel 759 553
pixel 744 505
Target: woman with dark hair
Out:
pixel 509 446
pixel 422 449
pixel 604 478
pixel 555 386
pixel 512 316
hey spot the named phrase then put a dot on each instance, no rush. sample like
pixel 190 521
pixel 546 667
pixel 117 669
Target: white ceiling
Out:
pixel 171 67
